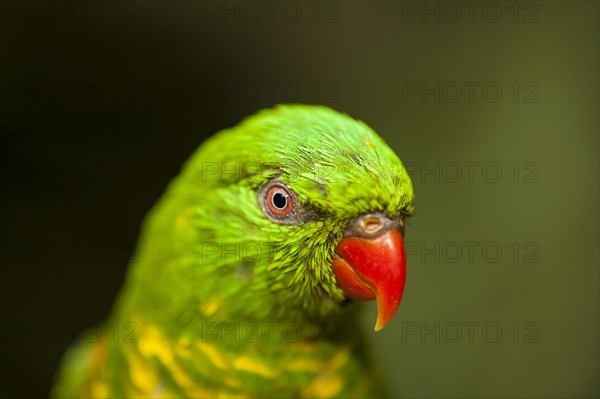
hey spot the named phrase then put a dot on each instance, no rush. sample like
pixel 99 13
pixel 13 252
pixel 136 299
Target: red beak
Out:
pixel 373 268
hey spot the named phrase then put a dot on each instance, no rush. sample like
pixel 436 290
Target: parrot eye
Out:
pixel 281 204
pixel 279 200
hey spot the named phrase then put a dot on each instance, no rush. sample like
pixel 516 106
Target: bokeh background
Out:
pixel 493 106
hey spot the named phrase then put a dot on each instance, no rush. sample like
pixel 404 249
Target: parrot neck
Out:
pixel 230 361
pixel 219 323
pixel 226 317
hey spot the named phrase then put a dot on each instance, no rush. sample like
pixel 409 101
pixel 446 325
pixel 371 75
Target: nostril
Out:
pixel 371 224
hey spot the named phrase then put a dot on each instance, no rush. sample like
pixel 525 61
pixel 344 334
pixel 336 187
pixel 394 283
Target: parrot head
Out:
pixel 289 215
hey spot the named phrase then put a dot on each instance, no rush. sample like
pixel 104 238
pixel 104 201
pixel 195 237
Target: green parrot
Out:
pixel 246 268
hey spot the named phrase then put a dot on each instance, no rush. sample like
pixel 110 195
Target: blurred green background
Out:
pixel 493 106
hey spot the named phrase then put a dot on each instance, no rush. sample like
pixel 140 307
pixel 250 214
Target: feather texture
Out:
pixel 225 301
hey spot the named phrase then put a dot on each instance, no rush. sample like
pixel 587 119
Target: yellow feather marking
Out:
pixel 98 390
pixel 245 363
pixel 152 344
pixel 209 308
pixel 305 365
pixel 214 355
pixel 183 380
pixel 326 385
pixel 339 359
pixel 179 375
pixel 143 377
pixel 183 350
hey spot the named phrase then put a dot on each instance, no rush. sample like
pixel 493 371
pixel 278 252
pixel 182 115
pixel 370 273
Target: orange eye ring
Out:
pixel 279 201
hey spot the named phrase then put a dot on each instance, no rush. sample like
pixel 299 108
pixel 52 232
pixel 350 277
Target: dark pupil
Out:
pixel 279 200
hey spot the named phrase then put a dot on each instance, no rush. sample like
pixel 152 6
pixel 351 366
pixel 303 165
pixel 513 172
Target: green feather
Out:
pixel 209 260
